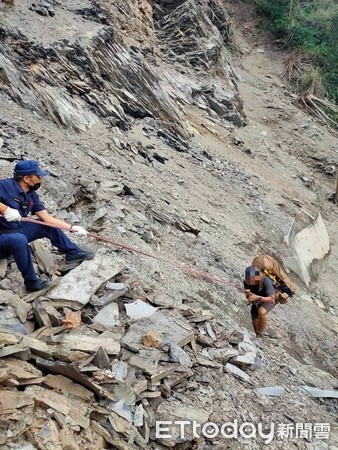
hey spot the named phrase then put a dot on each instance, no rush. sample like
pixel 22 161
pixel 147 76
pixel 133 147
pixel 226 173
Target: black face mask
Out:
pixel 35 187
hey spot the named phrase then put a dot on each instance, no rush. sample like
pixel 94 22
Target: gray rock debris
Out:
pixel 139 310
pixel 271 391
pixel 238 373
pixel 80 284
pixel 108 316
pixel 177 354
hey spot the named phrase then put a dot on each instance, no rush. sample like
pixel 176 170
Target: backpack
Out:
pixel 272 269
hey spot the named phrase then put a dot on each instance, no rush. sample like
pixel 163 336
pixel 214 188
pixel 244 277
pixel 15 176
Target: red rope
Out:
pixel 175 264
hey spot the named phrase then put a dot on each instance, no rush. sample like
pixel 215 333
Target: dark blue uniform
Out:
pixel 15 236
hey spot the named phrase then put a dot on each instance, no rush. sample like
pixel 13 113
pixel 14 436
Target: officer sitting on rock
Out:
pixel 18 198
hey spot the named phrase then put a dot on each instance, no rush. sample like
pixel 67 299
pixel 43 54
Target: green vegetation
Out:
pixel 310 26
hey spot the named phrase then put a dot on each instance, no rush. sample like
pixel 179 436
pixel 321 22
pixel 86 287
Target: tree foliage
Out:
pixel 310 26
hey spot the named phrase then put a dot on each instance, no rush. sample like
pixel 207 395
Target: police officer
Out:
pixel 18 198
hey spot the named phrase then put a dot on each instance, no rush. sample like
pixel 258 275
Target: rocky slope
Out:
pixel 156 136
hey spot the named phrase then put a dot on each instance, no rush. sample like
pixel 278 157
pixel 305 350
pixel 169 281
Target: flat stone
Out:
pixel 9 339
pixel 177 354
pixel 45 259
pixel 139 309
pixel 119 424
pixel 116 286
pixel 38 347
pixel 101 359
pixel 41 315
pixel 223 354
pixel 271 391
pixel 125 393
pixel 138 416
pixel 235 337
pixel 20 350
pixel 11 400
pixel 70 372
pixel 108 316
pixel 236 372
pixel 163 372
pixel 75 410
pixel 21 308
pixel 21 370
pixel 172 329
pixel 164 300
pixel 206 362
pixel 83 281
pixel 122 410
pixel 87 343
pixel 319 393
pixel 246 360
pixel 174 409
pixel 8 322
pixel 120 370
pixel 146 360
pixel 140 386
pixel 67 387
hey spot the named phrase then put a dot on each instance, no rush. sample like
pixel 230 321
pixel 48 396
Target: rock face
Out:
pixel 79 80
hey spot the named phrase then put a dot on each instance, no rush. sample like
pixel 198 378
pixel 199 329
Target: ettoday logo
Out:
pixel 247 430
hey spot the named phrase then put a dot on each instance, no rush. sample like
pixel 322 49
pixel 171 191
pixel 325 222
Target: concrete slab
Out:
pixel 310 247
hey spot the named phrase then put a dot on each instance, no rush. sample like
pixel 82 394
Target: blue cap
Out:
pixel 29 167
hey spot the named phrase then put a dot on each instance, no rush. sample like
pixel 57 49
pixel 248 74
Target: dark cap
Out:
pixel 29 167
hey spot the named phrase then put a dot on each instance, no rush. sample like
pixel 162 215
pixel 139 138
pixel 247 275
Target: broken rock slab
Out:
pixel 108 316
pixel 271 391
pixel 21 308
pixel 238 373
pixel 139 309
pixel 86 343
pixel 246 360
pixel 120 370
pixel 146 360
pixel 67 370
pixel 223 354
pixel 164 301
pixel 318 393
pixel 75 411
pixel 9 323
pixel 177 354
pixel 81 283
pixel 173 330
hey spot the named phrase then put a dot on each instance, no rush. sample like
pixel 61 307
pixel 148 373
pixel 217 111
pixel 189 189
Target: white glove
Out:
pixel 12 215
pixel 79 230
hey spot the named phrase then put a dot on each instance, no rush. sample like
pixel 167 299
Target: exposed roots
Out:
pixel 318 106
pixel 299 71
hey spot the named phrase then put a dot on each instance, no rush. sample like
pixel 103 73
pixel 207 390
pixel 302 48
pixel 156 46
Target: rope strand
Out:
pixel 177 265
